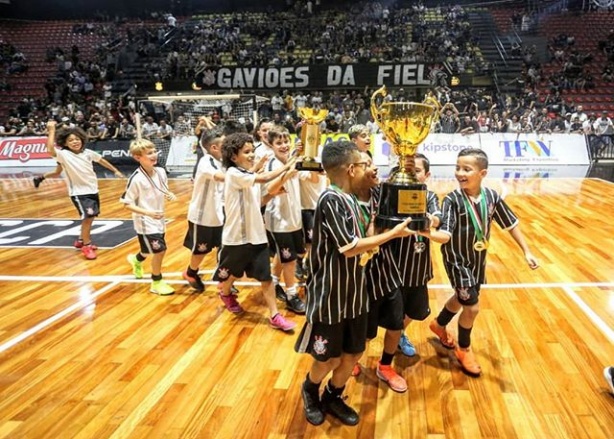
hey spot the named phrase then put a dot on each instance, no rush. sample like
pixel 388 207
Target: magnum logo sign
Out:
pixel 311 76
pixel 24 149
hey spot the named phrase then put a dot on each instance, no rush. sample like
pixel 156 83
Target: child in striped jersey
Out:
pixel 414 260
pixel 467 215
pixel 337 302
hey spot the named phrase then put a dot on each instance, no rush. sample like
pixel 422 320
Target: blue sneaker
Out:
pixel 406 346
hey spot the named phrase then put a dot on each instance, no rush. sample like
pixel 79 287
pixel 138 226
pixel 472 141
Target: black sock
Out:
pixel 156 277
pixel 140 257
pixel 386 359
pixel 41 178
pixel 191 272
pixel 310 386
pixel 464 337
pixel 334 391
pixel 445 316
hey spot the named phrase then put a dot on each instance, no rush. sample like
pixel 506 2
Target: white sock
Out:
pixel 291 291
pixel 275 280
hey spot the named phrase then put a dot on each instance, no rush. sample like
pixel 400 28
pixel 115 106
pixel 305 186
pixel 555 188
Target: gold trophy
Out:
pixel 405 125
pixel 310 138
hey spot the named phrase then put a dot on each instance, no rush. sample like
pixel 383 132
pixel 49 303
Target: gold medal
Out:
pixel 480 246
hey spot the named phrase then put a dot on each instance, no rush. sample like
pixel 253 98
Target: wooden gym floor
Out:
pixel 87 352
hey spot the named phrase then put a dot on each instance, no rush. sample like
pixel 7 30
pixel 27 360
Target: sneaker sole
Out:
pixel 161 294
pixel 282 329
pixel 467 371
pixel 383 378
pixel 194 285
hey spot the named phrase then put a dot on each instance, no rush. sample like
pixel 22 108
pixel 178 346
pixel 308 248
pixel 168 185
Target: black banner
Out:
pixel 312 76
pixel 115 152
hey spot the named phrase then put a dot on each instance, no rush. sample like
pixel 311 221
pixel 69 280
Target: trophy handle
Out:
pixel 376 110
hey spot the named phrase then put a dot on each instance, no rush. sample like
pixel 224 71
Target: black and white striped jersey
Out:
pixel 336 286
pixel 464 265
pixel 413 253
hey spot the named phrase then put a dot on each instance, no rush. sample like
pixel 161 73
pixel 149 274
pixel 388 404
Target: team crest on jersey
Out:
pixel 202 247
pixel 463 293
pixel 223 273
pixel 286 253
pixel 155 244
pixel 319 345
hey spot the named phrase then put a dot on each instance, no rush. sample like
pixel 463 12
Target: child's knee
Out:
pixel 472 310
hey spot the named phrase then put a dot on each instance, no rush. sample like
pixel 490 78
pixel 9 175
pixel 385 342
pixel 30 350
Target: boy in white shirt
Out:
pixel 145 193
pixel 244 241
pixel 76 161
pixel 206 209
pixel 282 219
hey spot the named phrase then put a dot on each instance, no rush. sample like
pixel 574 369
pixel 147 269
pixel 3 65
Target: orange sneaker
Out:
pixel 468 362
pixel 357 370
pixel 440 331
pixel 391 377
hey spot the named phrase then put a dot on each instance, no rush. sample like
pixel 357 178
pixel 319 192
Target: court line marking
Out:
pixel 130 279
pixel 54 318
pixel 592 316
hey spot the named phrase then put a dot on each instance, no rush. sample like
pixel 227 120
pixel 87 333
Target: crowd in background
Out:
pixel 81 92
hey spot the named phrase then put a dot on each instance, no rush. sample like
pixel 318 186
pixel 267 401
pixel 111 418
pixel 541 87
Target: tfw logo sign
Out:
pixel 24 150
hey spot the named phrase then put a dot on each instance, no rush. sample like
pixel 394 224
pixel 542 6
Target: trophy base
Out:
pixel 388 222
pixel 310 165
pixel 399 201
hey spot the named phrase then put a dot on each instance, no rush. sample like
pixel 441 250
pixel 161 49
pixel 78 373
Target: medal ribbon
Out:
pixel 163 189
pixel 476 220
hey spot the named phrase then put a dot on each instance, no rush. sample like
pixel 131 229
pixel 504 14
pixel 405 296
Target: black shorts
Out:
pixel 248 259
pixel 88 205
pixel 152 244
pixel 289 245
pixel 272 246
pixel 386 312
pixel 324 341
pixel 307 216
pixel 468 295
pixel 416 302
pixel 200 240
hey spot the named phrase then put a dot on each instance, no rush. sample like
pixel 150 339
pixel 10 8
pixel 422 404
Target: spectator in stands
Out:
pixel 182 126
pixel 448 119
pixel 112 129
pixel 468 126
pixel 126 130
pixel 29 129
pixel 165 131
pixel 149 128
pixel 580 114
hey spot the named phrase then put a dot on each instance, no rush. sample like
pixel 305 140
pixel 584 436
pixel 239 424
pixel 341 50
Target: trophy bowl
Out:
pixel 405 125
pixel 310 138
